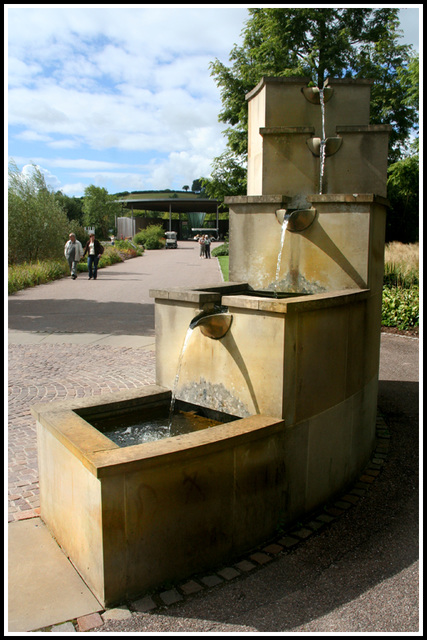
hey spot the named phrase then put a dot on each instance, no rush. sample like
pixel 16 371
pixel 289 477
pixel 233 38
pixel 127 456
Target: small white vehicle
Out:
pixel 171 241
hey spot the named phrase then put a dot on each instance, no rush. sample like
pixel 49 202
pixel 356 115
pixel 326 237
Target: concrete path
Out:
pixel 356 573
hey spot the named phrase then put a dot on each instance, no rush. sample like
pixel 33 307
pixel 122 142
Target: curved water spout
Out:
pixel 297 220
pixel 312 94
pixel 213 325
pixel 331 145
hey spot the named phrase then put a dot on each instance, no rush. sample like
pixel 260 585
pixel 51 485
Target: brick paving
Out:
pixel 45 373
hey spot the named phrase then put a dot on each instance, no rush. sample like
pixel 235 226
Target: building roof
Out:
pixel 175 205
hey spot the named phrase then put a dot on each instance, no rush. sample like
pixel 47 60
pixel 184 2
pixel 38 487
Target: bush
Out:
pixel 222 250
pixel 400 307
pixel 128 249
pixel 152 237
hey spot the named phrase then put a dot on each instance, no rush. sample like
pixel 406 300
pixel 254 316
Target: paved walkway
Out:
pixel 353 570
pixel 110 325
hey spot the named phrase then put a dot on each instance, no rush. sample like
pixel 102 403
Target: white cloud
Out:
pixel 74 189
pixel 119 79
pixel 51 180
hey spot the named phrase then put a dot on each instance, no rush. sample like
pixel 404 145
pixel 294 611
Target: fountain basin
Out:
pixel 309 360
pixel 132 519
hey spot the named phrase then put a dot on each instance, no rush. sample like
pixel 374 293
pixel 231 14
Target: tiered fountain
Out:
pixel 285 357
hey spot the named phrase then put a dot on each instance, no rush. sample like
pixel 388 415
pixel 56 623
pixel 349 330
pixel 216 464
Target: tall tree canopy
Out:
pixel 315 43
pixel 37 224
pixel 99 210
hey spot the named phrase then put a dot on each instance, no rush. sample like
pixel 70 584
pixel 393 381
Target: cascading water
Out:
pixel 322 141
pixel 282 244
pixel 178 371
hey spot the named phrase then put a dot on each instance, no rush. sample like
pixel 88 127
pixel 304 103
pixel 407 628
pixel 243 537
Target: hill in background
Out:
pixel 159 195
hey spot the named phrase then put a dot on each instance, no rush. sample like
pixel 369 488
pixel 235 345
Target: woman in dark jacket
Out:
pixel 94 250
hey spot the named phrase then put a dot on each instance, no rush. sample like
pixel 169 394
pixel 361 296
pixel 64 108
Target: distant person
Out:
pixel 202 246
pixel 94 250
pixel 207 247
pixel 73 251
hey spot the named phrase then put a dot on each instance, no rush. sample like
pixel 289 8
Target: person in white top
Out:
pixel 73 251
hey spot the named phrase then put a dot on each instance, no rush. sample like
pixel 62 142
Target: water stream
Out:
pixel 178 371
pixel 322 141
pixel 282 244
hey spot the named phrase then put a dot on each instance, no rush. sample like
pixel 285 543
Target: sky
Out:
pixel 121 96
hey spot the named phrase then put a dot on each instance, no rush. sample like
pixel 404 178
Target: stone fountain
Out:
pixel 285 356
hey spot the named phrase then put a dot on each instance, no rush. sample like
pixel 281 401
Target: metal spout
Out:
pixel 331 145
pixel 297 220
pixel 312 94
pixel 212 325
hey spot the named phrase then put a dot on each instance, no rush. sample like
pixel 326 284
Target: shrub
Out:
pixel 152 237
pixel 400 307
pixel 128 249
pixel 222 250
pixel 139 238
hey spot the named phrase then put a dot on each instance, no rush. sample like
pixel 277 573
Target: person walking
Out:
pixel 94 250
pixel 73 251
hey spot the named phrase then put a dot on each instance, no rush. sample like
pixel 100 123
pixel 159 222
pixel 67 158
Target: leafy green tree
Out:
pixel 314 43
pixel 73 207
pixel 403 175
pixel 100 210
pixel 197 186
pixel 228 177
pixel 403 194
pixel 37 224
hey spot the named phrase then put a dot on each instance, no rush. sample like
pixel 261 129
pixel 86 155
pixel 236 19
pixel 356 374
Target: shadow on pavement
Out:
pixel 81 316
pixel 355 559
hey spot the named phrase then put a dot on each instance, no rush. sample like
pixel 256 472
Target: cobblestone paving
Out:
pixel 44 373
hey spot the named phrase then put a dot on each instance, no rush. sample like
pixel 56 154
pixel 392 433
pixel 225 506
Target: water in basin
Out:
pixel 140 426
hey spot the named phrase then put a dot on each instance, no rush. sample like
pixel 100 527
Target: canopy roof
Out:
pixel 173 205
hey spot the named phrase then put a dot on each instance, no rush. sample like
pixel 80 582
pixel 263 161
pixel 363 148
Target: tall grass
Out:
pixel 22 276
pixel 401 264
pixel 400 302
pixel 30 274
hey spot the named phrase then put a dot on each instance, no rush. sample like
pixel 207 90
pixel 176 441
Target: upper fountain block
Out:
pixel 285 122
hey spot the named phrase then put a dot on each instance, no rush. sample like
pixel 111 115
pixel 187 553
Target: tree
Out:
pixel 186 187
pixel 100 210
pixel 314 43
pixel 37 225
pixel 197 186
pixel 403 194
pixel 73 207
pixel 228 177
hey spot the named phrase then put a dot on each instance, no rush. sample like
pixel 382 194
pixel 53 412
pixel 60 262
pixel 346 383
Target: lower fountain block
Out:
pixel 135 518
